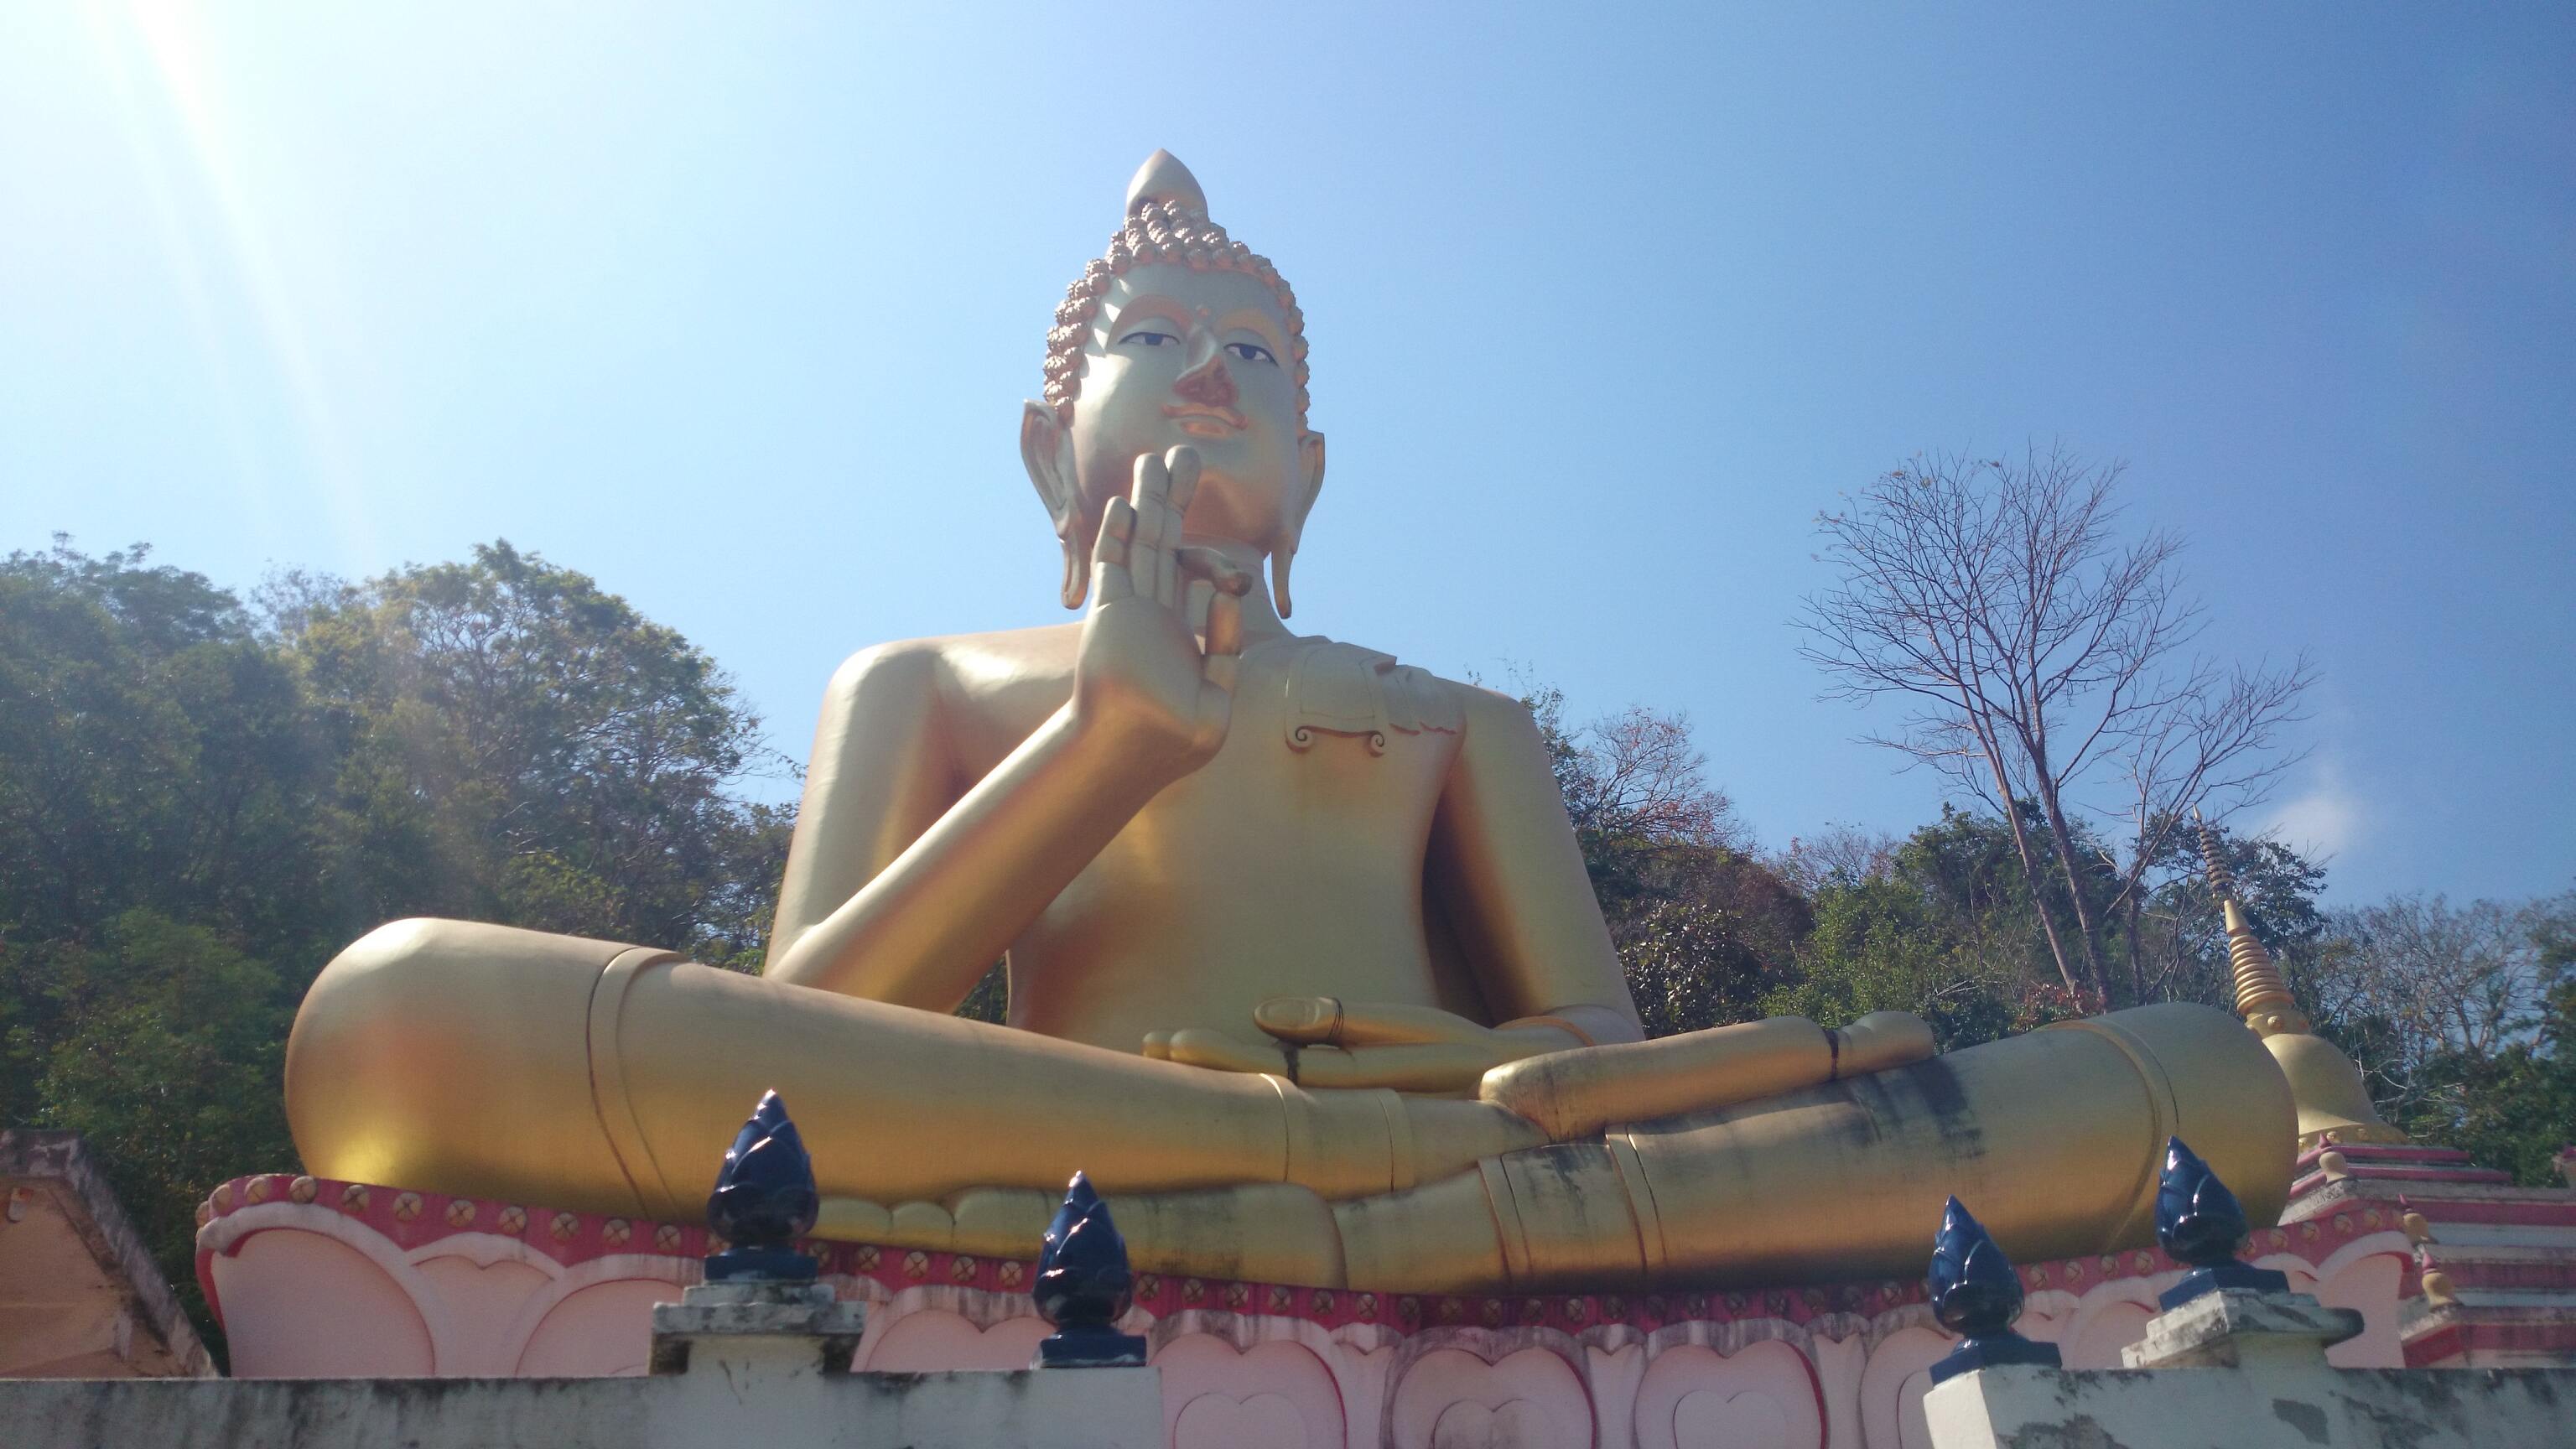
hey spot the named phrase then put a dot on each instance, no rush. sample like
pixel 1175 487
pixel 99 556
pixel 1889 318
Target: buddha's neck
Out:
pixel 1261 619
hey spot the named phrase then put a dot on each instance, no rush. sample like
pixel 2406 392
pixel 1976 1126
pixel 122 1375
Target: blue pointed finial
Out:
pixel 1977 1295
pixel 764 1200
pixel 2200 1222
pixel 1084 1287
pixel 1975 1292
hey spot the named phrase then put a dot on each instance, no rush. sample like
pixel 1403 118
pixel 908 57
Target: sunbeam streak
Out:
pixel 182 78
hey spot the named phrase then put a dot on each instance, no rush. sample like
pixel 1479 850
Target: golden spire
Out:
pixel 2262 995
pixel 2333 1104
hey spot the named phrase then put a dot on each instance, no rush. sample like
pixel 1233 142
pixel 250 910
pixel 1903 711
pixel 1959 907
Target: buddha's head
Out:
pixel 1177 336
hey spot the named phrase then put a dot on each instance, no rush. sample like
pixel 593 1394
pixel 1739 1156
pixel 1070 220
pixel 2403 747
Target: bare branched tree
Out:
pixel 2451 978
pixel 2045 662
pixel 2416 980
pixel 1644 772
pixel 1839 854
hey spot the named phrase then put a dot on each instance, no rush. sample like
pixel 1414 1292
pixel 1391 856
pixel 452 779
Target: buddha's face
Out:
pixel 1197 358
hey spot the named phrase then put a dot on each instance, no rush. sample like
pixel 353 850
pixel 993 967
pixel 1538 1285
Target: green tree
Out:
pixel 1702 927
pixel 1693 963
pixel 153 752
pixel 2514 1107
pixel 164 1047
pixel 160 853
pixel 2177 940
pixel 518 745
pixel 1970 870
pixel 199 806
pixel 1881 945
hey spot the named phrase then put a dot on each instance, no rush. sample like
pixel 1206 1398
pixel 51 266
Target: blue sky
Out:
pixel 734 308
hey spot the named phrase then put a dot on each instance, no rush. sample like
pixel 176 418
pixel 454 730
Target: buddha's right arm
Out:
pixel 899 888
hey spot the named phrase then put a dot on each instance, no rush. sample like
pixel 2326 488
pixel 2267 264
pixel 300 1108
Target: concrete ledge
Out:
pixel 2242 1328
pixel 756 1321
pixel 2199 1408
pixel 79 1293
pixel 1086 1409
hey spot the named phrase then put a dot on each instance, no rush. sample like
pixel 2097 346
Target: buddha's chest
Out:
pixel 1332 738
pixel 1292 862
pixel 1330 776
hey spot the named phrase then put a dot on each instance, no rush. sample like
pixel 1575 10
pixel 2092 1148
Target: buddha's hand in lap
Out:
pixel 1320 1041
pixel 1141 675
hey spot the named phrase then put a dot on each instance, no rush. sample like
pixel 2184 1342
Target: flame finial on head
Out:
pixel 1163 178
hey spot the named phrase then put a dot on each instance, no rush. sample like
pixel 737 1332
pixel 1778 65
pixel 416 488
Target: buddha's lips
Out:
pixel 1205 417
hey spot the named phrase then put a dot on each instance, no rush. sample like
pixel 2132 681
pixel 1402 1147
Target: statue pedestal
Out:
pixel 734 1363
pixel 314 1279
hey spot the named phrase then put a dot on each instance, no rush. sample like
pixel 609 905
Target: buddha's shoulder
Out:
pixel 1335 680
pixel 966 665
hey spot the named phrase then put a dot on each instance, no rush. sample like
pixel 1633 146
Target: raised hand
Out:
pixel 1141 674
pixel 1322 1041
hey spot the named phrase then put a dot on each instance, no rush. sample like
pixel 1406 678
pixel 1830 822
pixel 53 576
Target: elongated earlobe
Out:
pixel 1047 452
pixel 1077 579
pixel 1310 464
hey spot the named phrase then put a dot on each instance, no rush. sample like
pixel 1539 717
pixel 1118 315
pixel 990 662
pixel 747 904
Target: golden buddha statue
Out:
pixel 1304 966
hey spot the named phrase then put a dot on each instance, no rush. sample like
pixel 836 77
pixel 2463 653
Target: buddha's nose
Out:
pixel 1205 380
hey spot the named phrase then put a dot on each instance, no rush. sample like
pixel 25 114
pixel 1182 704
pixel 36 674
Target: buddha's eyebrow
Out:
pixel 1255 319
pixel 1152 304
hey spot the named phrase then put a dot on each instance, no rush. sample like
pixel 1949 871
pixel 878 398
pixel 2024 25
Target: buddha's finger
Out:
pixel 1417 1067
pixel 1334 1022
pixel 1224 641
pixel 1111 579
pixel 1152 484
pixel 1199 1047
pixel 1181 465
pixel 1200 562
pixel 1157 530
pixel 1148 562
pixel 1175 503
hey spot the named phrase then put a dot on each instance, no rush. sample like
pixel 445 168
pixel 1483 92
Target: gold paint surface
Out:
pixel 1305 968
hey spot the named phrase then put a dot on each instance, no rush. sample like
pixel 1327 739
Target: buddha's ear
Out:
pixel 1292 517
pixel 1046 450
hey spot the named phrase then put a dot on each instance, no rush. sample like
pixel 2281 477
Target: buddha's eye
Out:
pixel 1149 338
pixel 1252 352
